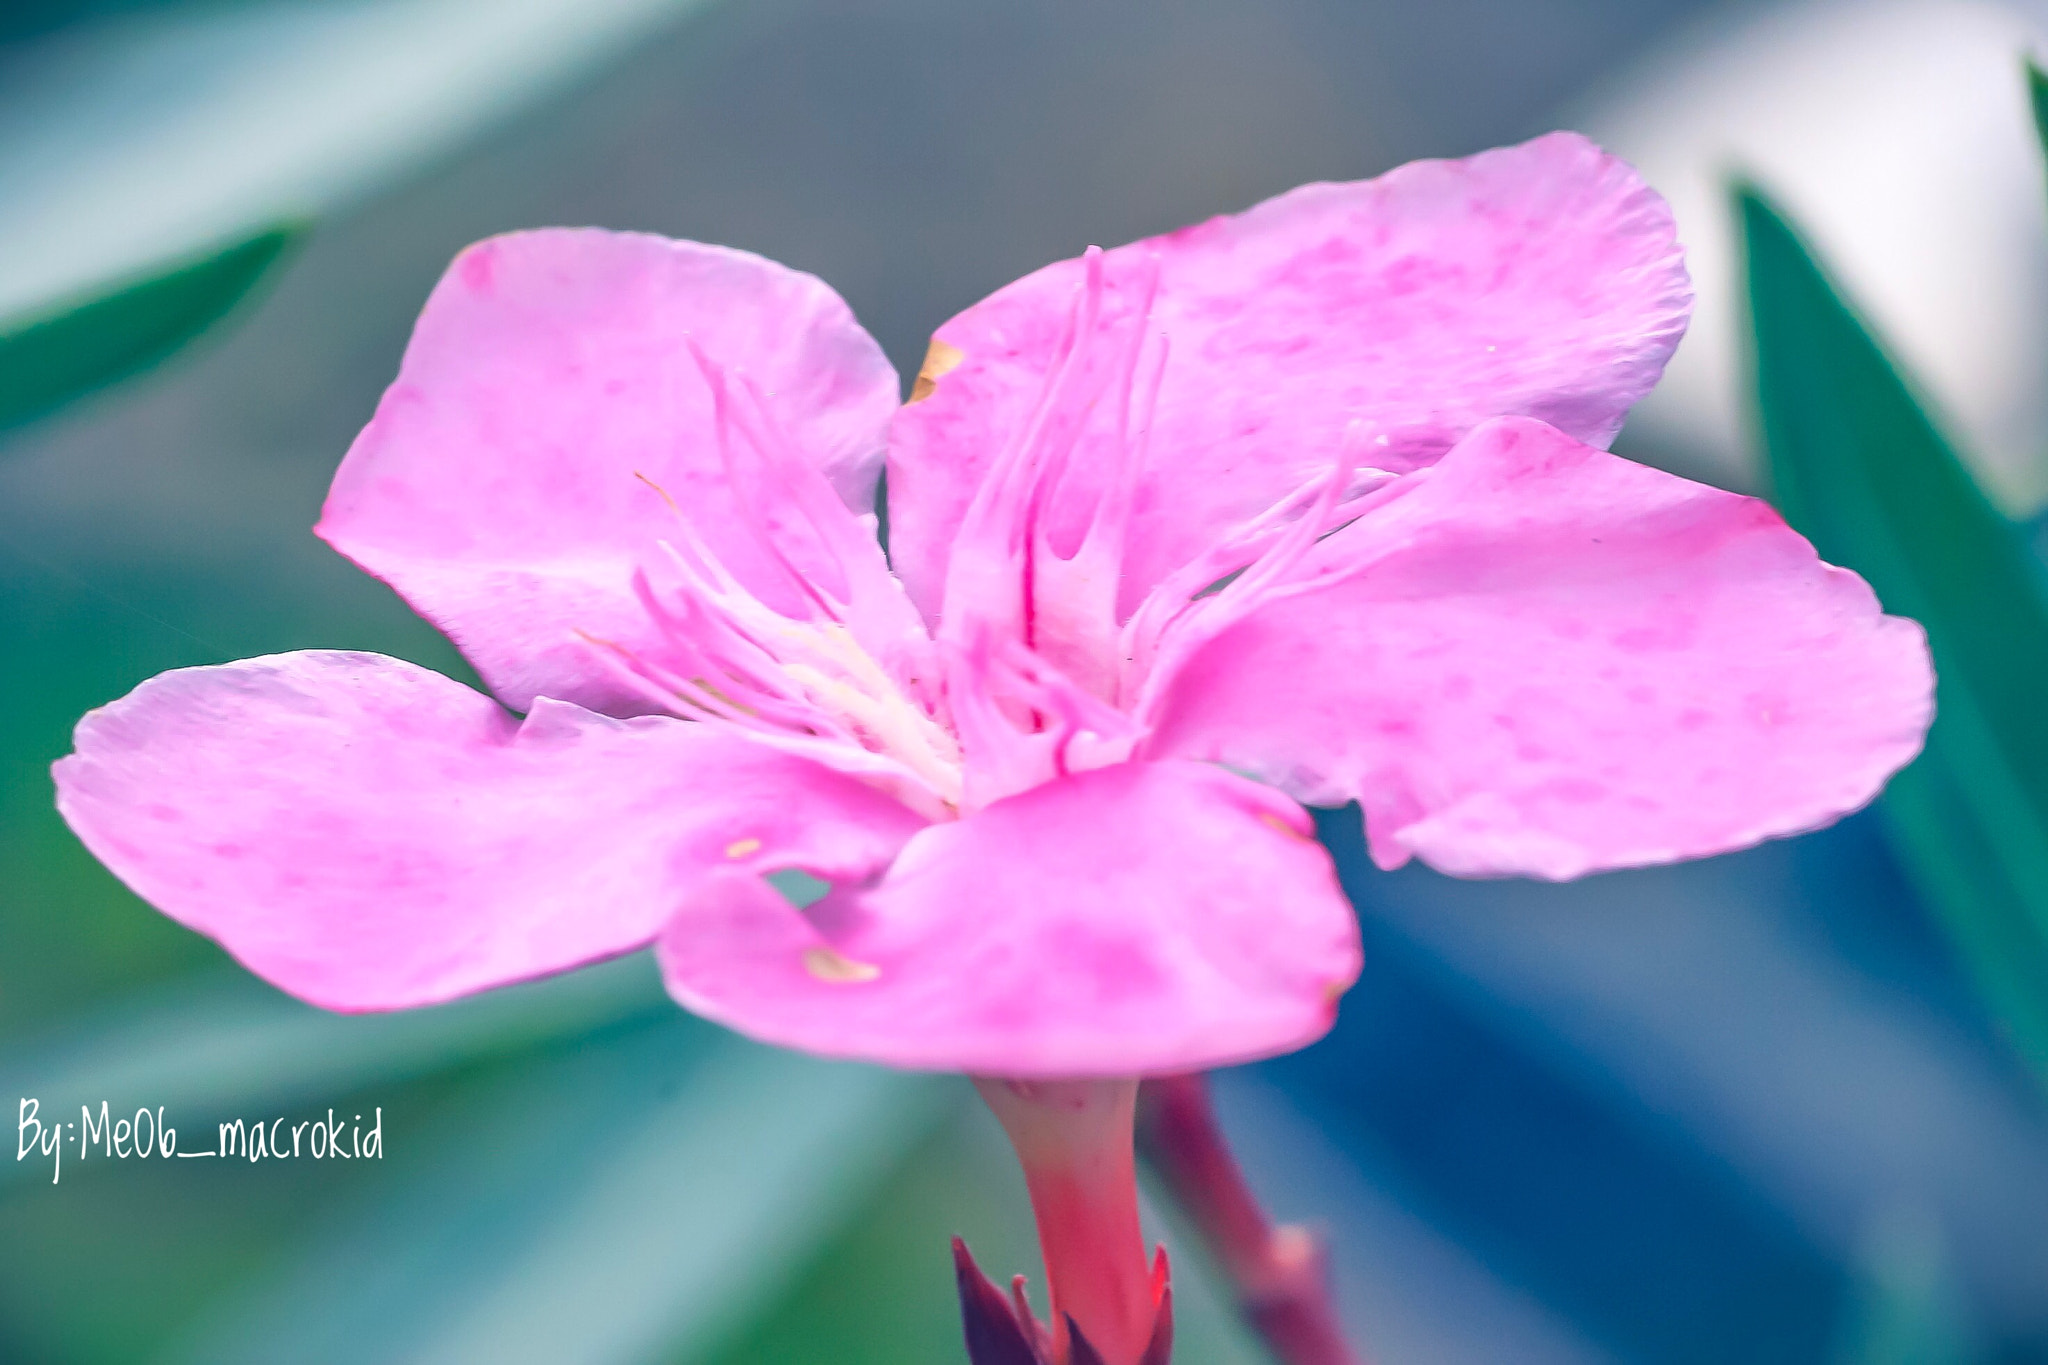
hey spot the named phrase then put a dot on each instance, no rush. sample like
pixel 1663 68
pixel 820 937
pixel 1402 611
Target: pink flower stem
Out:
pixel 1074 1139
pixel 1280 1274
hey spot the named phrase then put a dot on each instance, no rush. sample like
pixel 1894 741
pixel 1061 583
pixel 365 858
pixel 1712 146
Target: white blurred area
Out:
pixel 141 139
pixel 1897 133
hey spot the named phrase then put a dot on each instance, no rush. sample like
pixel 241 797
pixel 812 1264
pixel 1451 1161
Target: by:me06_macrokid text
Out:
pixel 146 1134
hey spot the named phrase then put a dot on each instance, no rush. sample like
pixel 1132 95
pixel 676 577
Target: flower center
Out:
pixel 1034 672
pixel 850 679
pixel 1038 561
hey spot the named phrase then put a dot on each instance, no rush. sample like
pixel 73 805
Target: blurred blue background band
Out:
pixel 1753 1109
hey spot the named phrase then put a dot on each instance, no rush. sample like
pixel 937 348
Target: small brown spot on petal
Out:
pixel 940 360
pixel 1268 818
pixel 837 968
pixel 740 848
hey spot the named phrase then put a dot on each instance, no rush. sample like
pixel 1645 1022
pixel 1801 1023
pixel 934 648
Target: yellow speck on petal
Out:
pixel 837 968
pixel 940 360
pixel 740 848
pixel 1267 817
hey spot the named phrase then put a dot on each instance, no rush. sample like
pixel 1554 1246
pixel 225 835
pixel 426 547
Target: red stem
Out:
pixel 1280 1274
pixel 1074 1139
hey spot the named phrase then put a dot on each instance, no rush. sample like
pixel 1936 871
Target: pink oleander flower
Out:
pixel 1305 505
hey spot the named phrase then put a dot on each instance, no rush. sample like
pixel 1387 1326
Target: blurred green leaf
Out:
pixel 50 360
pixel 31 18
pixel 219 1047
pixel 1904 1307
pixel 2037 95
pixel 620 1201
pixel 1857 465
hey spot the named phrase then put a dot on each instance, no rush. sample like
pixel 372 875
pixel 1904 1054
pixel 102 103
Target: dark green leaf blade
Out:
pixel 1857 465
pixel 2037 98
pixel 50 360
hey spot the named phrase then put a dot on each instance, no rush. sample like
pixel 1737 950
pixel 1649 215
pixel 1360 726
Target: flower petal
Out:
pixel 548 409
pixel 367 834
pixel 1141 918
pixel 1542 659
pixel 1541 280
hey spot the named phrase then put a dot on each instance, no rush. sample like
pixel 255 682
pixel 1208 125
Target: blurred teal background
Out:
pixel 1754 1109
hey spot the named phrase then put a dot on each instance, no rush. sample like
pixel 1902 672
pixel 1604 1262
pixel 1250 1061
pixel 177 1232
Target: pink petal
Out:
pixel 1545 660
pixel 504 485
pixel 367 834
pixel 1141 918
pixel 1542 280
